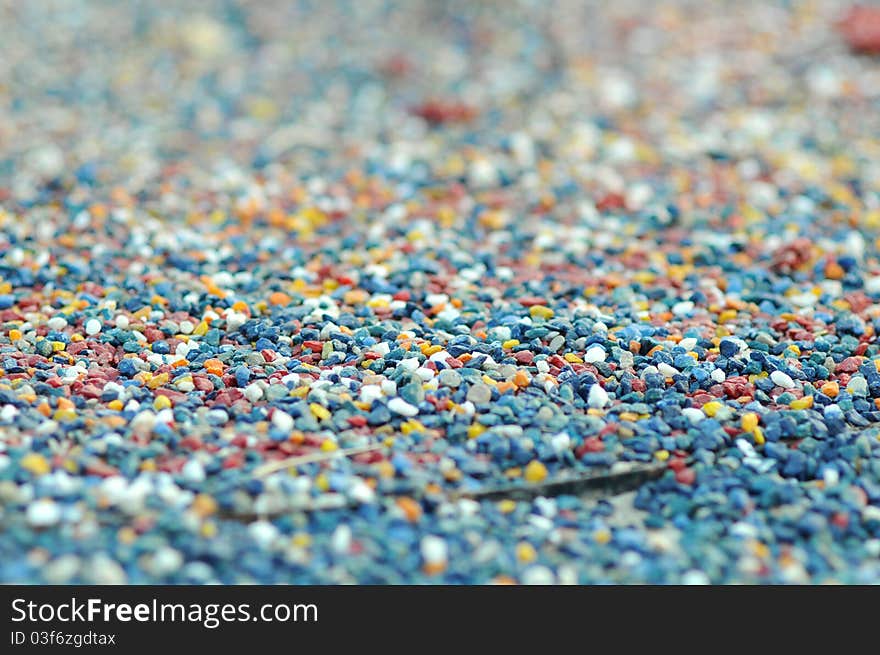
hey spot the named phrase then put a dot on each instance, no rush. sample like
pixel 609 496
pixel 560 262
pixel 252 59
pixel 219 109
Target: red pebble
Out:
pixel 192 442
pixel 677 464
pixel 792 256
pixel 203 384
pixel 611 201
pixel 686 476
pixel 861 29
pixel 590 445
pixel 437 112
pixel 233 461
pixel 848 365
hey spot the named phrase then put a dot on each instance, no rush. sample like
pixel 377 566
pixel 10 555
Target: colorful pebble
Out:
pixel 270 315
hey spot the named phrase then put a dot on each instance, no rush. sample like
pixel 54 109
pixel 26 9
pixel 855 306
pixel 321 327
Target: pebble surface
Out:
pixel 281 286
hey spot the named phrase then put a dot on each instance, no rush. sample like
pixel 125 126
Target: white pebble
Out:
pixel 193 471
pixel 361 492
pixel 781 379
pixel 692 414
pixel 683 308
pixel 166 560
pixel 43 513
pixel 341 539
pixel 594 354
pixel 93 326
pixel 370 392
pixel 8 413
pixel 263 532
pixel 538 575
pixel 858 386
pixel 56 323
pixel 434 549
pixel 253 392
pixel 282 420
pixel 688 343
pixel 561 442
pixel 400 406
pixel 598 397
pixel 694 577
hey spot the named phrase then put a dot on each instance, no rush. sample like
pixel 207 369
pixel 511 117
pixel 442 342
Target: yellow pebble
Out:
pixel 322 482
pixel 541 311
pixel 299 392
pixel 412 425
pixel 64 415
pixel 319 411
pixel 759 436
pixel 208 529
pixel 535 471
pixel 127 535
pixel 301 539
pixel 201 329
pixel 204 505
pixel 15 335
pixel 475 430
pixel 162 402
pixel 115 405
pixel 506 506
pixel 602 536
pixel 385 469
pixel 749 422
pixel 525 552
pixel 662 455
pixel 510 343
pixel 328 446
pixel 711 408
pixel 35 463
pixel 802 403
pixel 158 380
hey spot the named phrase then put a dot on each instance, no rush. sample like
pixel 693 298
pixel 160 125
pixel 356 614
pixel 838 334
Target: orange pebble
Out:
pixel 64 403
pixel 434 568
pixel 831 389
pixel 214 366
pixel 521 378
pixel 279 298
pixel 834 271
pixel 411 509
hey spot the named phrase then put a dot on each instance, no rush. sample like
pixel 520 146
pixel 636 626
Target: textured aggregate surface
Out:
pixel 285 285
